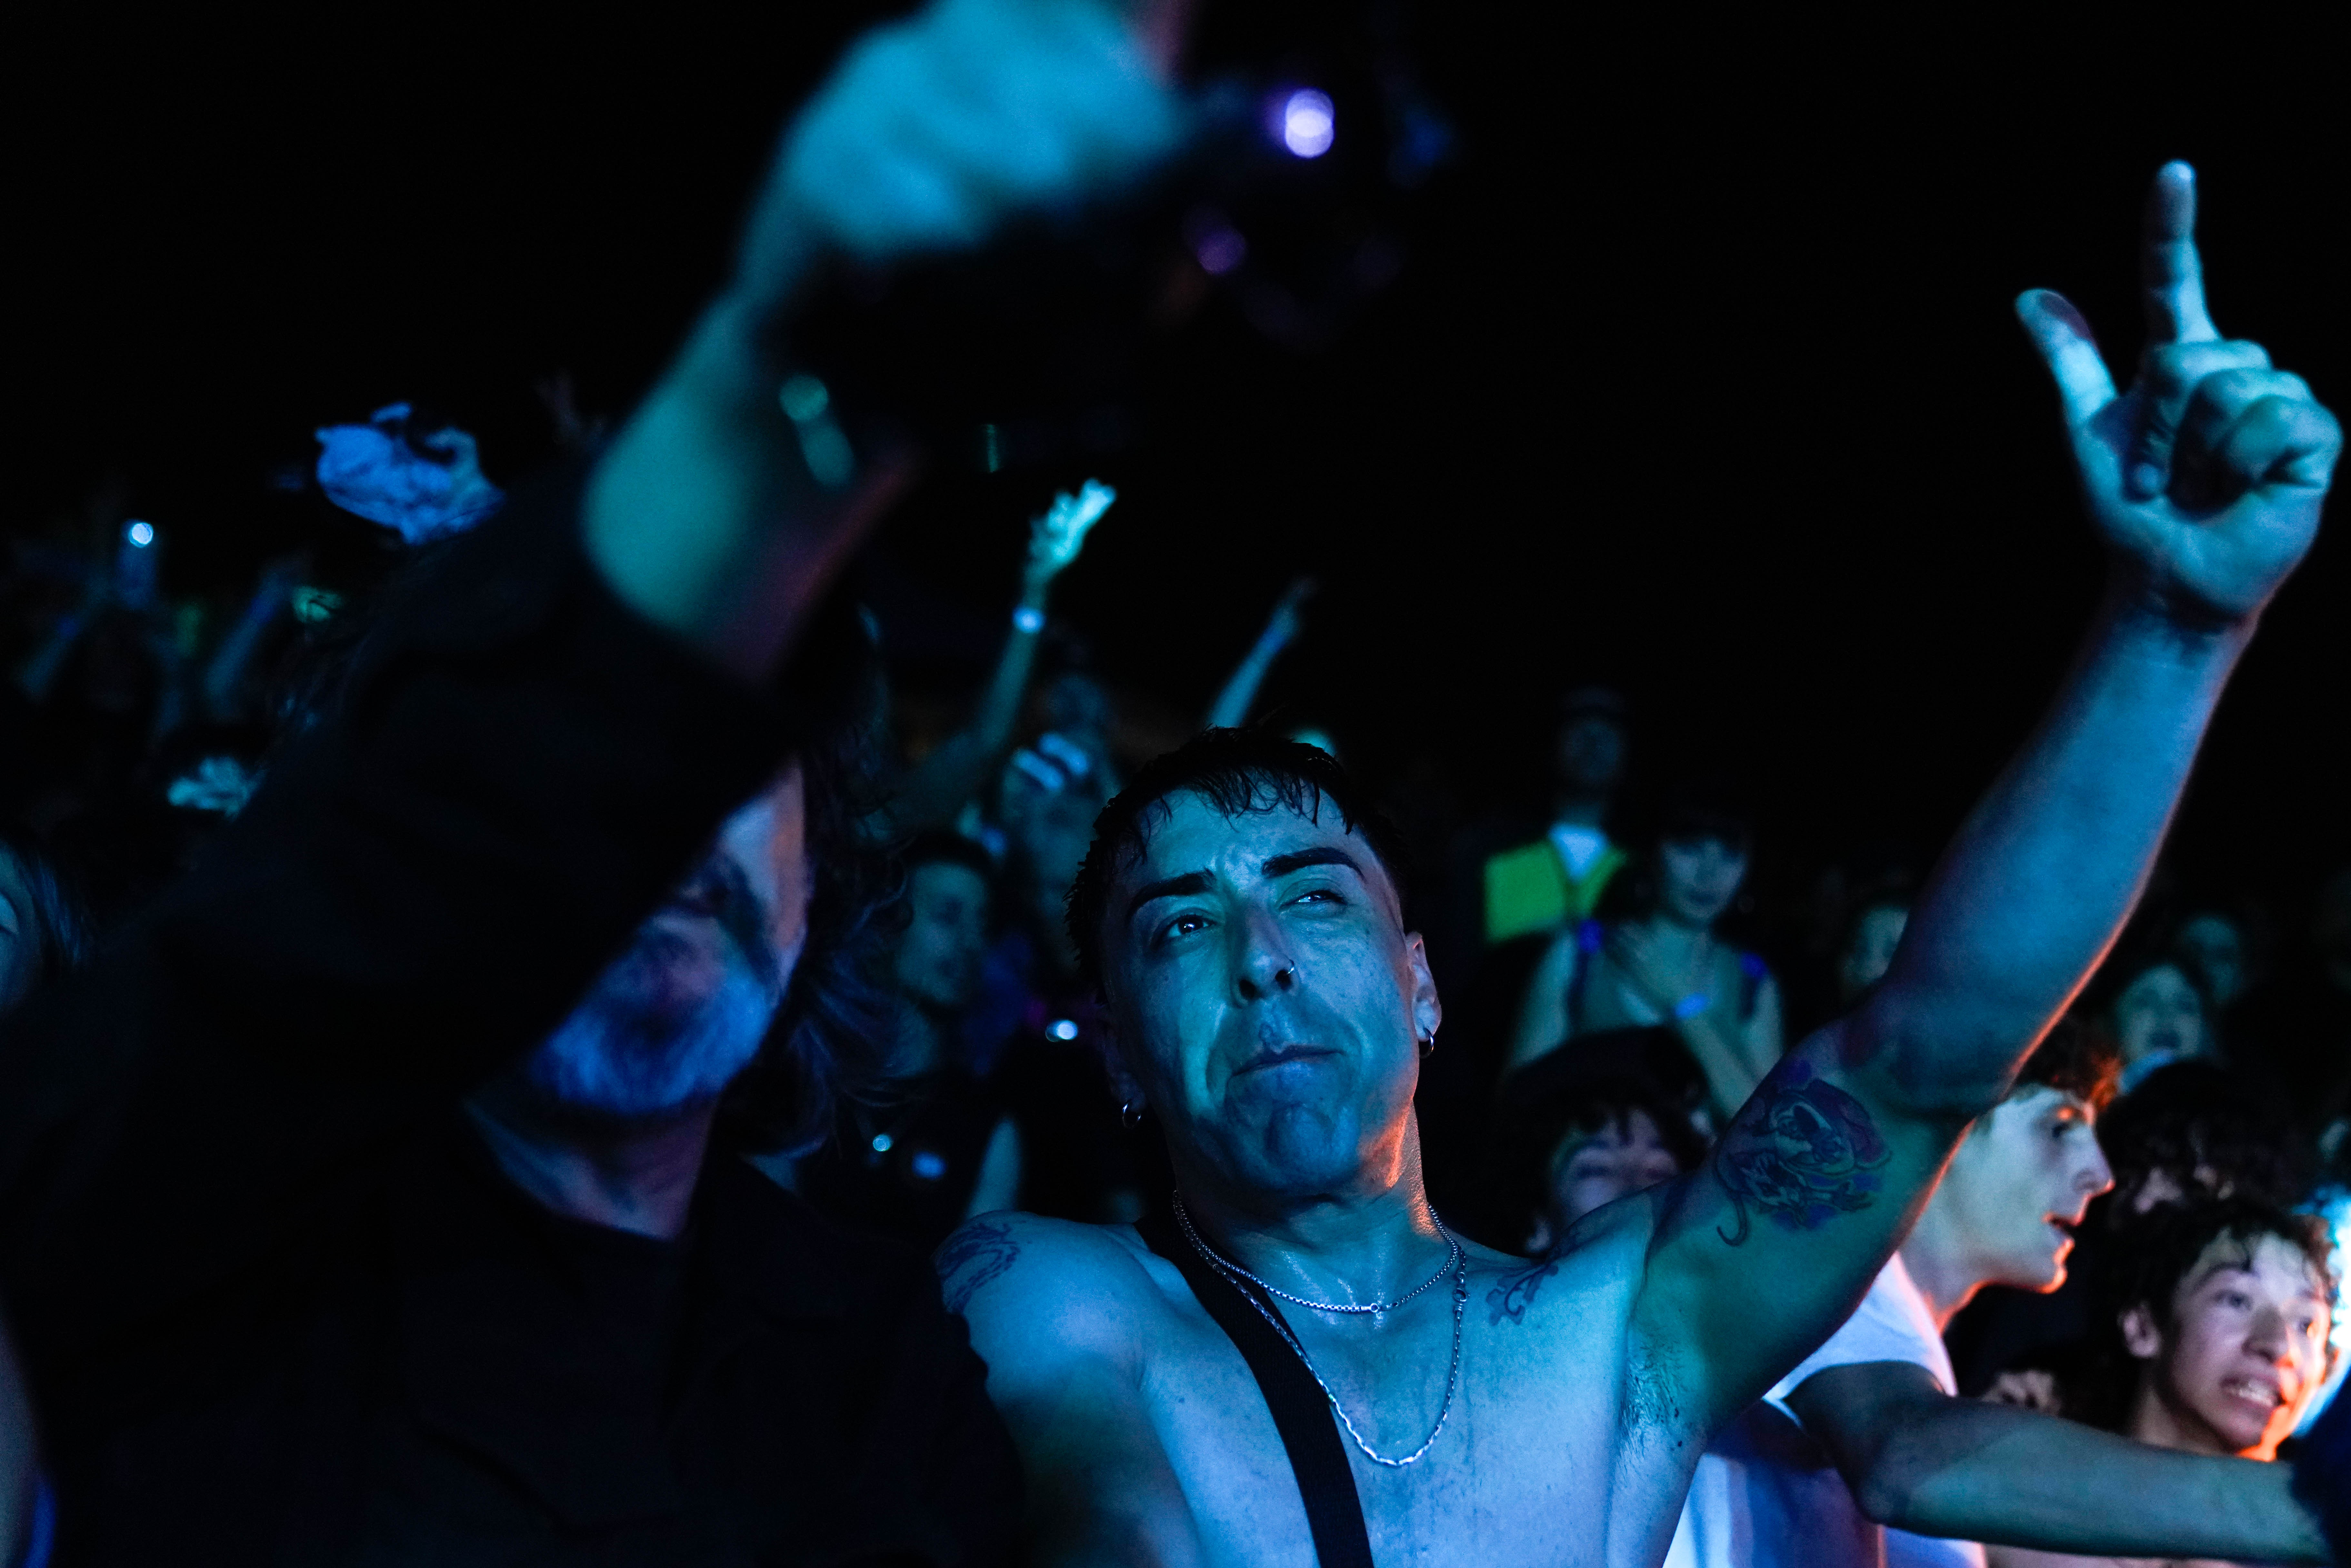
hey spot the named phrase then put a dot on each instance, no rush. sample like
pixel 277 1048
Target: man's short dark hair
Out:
pixel 1236 771
pixel 2074 1060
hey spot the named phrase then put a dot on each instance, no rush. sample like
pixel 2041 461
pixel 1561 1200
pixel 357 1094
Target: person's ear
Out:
pixel 1428 1012
pixel 1123 1082
pixel 2141 1337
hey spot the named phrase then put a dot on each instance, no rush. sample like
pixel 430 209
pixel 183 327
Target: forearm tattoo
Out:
pixel 972 1257
pixel 1802 1151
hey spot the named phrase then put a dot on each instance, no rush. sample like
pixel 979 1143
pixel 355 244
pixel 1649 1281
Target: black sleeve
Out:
pixel 516 770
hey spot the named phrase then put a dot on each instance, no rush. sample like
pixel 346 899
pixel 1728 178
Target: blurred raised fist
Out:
pixel 934 132
pixel 2207 477
pixel 1057 535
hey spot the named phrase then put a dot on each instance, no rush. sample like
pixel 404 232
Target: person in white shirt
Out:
pixel 1866 1453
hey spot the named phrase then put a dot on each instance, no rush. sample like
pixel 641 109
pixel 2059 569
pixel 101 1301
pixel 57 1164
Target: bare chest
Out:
pixel 1546 1443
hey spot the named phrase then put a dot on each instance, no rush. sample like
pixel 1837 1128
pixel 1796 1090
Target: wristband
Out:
pixel 1030 619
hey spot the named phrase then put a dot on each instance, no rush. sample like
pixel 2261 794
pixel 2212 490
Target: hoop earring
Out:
pixel 1428 1046
pixel 1130 1114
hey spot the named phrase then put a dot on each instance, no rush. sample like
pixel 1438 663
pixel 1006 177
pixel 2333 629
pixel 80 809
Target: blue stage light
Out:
pixel 1307 126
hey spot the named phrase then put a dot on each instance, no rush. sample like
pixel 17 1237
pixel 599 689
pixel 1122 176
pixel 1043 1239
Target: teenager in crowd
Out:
pixel 1867 1442
pixel 2223 1312
pixel 1584 1125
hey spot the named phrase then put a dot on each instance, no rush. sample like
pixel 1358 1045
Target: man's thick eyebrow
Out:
pixel 1166 887
pixel 1321 854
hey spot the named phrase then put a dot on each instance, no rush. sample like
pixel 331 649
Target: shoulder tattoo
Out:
pixel 1516 1292
pixel 972 1257
pixel 1803 1151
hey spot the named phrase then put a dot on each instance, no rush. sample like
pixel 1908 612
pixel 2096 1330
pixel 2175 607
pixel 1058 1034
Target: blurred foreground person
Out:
pixel 334 1225
pixel 2225 1313
pixel 44 935
pixel 1299 1306
pixel 1869 1432
pixel 1666 967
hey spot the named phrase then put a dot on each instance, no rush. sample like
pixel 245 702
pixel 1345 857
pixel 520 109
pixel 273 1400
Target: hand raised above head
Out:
pixel 2206 477
pixel 1059 533
pixel 934 131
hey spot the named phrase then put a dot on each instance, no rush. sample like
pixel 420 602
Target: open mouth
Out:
pixel 2254 1391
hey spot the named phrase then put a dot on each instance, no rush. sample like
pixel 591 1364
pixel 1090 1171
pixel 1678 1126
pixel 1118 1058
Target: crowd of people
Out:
pixel 489 1048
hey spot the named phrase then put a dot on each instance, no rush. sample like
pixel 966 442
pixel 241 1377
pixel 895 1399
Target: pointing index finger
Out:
pixel 2171 273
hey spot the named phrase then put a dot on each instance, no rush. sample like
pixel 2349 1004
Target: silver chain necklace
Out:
pixel 1456 1264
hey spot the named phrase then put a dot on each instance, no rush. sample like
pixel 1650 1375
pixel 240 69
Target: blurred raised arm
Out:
pixel 961 765
pixel 1232 708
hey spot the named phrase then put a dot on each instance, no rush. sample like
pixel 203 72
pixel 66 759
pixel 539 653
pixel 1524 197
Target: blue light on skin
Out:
pixel 2337 1210
pixel 140 535
pixel 1307 126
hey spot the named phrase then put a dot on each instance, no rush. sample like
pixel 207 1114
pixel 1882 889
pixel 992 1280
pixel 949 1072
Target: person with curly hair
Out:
pixel 2220 1316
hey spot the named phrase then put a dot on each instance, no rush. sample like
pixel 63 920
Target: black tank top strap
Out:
pixel 1301 1411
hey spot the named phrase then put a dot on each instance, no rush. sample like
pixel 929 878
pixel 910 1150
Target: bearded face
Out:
pixel 677 1016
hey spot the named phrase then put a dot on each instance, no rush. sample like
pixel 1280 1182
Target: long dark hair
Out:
pixel 63 934
pixel 833 1038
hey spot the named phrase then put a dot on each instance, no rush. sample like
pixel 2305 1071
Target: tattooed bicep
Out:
pixel 979 1252
pixel 1801 1151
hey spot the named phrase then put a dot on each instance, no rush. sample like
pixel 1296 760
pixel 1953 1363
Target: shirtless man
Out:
pixel 1266 1001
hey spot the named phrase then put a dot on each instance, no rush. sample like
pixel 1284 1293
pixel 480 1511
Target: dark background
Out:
pixel 1700 375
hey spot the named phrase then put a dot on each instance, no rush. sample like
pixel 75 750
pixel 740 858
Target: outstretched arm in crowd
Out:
pixel 1232 708
pixel 2205 481
pixel 960 767
pixel 1920 1460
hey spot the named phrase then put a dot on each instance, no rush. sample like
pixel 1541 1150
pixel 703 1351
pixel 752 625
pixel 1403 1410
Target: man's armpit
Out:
pixel 1800 1153
pixel 979 1253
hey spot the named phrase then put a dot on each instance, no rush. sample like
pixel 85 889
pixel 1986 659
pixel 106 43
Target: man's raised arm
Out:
pixel 2204 480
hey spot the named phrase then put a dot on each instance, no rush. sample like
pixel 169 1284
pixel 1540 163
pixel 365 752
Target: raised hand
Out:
pixel 1056 537
pixel 2207 477
pixel 934 132
pixel 1289 617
